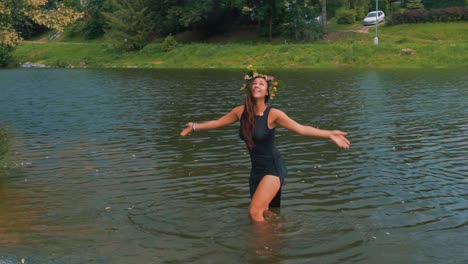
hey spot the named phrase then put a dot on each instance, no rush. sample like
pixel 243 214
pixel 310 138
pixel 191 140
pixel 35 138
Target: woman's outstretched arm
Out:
pixel 338 137
pixel 225 120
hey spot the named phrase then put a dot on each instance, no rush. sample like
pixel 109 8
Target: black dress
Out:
pixel 265 158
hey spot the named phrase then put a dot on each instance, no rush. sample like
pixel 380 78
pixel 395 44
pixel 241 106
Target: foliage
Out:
pixel 169 43
pixel 268 13
pixel 345 16
pixel 432 15
pixel 15 15
pixel 414 4
pixel 56 18
pixel 5 145
pixel 383 5
pixel 300 22
pixel 334 5
pixel 436 45
pixel 130 26
pixel 5 54
pixel 94 21
pixel 360 12
pixel 430 4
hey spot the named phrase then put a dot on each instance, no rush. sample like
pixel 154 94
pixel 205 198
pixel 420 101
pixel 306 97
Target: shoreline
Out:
pixel 437 45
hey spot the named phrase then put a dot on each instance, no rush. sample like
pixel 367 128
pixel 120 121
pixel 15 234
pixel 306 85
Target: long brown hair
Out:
pixel 249 118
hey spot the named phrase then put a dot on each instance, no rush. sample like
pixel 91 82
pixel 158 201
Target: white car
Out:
pixel 374 17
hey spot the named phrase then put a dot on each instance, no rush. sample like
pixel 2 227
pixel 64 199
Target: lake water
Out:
pixel 100 174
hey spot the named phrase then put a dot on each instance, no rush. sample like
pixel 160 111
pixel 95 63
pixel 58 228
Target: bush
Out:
pixel 5 54
pixel 434 15
pixel 4 144
pixel 361 12
pixel 169 43
pixel 414 4
pixel 430 4
pixel 345 16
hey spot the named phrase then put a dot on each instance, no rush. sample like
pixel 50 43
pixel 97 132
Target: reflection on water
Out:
pixel 102 176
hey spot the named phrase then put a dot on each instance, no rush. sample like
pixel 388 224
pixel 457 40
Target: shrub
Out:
pixel 360 12
pixel 345 16
pixel 4 143
pixel 433 15
pixel 5 54
pixel 429 4
pixel 169 43
pixel 414 4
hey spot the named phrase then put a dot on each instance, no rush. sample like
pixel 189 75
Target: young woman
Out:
pixel 258 122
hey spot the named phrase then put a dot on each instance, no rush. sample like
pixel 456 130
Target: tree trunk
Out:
pixel 271 27
pixel 324 13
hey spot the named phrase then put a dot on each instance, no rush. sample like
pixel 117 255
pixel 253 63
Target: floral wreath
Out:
pixel 273 84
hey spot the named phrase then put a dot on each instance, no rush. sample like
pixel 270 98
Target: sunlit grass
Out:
pixel 432 45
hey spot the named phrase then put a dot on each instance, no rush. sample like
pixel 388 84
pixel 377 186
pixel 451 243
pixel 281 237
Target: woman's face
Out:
pixel 259 88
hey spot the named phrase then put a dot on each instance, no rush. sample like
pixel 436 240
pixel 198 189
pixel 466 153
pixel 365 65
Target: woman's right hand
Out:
pixel 187 130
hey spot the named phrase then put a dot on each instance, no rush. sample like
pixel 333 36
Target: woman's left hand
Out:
pixel 338 137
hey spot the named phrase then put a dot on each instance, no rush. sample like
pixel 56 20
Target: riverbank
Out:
pixel 437 45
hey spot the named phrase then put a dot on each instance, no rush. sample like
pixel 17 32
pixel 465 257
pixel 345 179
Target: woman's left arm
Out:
pixel 338 137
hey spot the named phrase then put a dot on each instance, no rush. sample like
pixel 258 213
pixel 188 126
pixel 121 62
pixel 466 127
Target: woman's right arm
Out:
pixel 225 120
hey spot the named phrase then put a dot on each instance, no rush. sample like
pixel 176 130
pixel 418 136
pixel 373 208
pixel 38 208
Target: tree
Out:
pixel 414 4
pixel 324 13
pixel 13 11
pixel 268 13
pixel 94 21
pixel 300 20
pixel 131 26
pixel 429 4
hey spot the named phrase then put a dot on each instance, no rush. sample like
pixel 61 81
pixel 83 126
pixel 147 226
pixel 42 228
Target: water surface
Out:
pixel 100 174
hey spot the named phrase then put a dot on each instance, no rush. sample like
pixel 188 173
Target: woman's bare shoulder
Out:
pixel 238 110
pixel 276 111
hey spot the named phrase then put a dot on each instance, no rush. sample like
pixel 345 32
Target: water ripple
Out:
pixel 100 174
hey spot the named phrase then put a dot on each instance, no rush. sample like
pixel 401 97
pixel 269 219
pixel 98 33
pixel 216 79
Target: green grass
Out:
pixel 435 45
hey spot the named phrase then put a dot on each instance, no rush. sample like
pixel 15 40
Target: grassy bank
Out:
pixel 409 46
